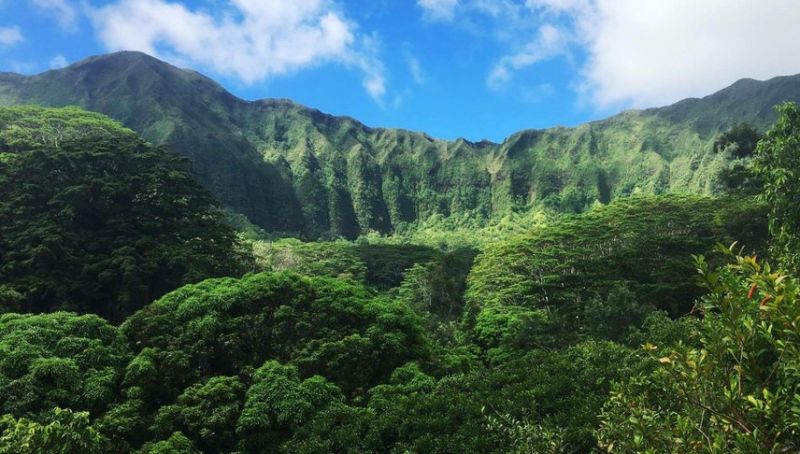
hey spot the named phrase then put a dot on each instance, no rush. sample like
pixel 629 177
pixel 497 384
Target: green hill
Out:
pixel 296 170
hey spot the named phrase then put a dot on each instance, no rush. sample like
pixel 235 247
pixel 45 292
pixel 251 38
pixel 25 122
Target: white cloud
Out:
pixel 10 36
pixel 58 62
pixel 368 62
pixel 256 40
pixel 650 52
pixel 438 10
pixel 415 68
pixel 664 51
pixel 635 53
pixel 549 42
pixel 62 10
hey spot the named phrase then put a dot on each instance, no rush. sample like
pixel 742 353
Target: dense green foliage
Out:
pixel 291 169
pixel 58 360
pixel 279 362
pixel 62 432
pixel 380 265
pixel 778 162
pixel 736 391
pixel 739 144
pixel 436 288
pixel 607 266
pixel 219 327
pixel 485 323
pixel 740 141
pixel 330 259
pixel 93 219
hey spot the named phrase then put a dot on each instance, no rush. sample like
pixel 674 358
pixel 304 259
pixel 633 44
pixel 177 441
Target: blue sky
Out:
pixel 452 68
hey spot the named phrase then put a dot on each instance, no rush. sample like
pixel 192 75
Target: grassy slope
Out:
pixel 293 169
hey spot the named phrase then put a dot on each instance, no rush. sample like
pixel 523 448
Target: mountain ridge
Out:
pixel 295 170
pixel 278 101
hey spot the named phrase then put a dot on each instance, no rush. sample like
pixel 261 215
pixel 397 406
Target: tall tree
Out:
pixel 94 219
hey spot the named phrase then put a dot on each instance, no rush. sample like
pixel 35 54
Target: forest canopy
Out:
pixel 97 220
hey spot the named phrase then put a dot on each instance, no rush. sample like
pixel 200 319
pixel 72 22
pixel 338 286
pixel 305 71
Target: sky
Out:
pixel 478 69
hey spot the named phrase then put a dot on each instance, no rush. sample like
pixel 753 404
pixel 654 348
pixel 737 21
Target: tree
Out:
pixel 778 163
pixel 94 219
pixel 322 258
pixel 337 329
pixel 279 402
pixel 59 359
pixel 740 141
pixel 176 443
pixel 10 299
pixel 435 289
pixel 207 412
pixel 613 316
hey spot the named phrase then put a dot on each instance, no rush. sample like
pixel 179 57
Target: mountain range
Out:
pixel 294 170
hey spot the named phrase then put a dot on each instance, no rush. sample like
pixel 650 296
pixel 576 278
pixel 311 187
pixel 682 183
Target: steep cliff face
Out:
pixel 292 169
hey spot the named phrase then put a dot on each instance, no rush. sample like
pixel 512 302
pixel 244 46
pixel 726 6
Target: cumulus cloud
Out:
pixel 438 10
pixel 645 53
pixel 256 40
pixel 635 53
pixel 650 52
pixel 62 10
pixel 10 36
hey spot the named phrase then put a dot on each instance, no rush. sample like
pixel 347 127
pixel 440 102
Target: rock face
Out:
pixel 296 170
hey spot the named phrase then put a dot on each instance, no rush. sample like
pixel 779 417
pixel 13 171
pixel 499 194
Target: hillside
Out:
pixel 292 169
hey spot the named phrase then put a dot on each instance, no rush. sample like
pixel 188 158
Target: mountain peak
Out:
pixel 120 61
pixel 744 81
pixel 121 54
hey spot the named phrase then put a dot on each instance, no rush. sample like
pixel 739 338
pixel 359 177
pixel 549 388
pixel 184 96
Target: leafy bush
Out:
pixel 734 392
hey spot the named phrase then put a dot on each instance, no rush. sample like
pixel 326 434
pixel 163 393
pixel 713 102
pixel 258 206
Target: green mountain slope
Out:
pixel 292 169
